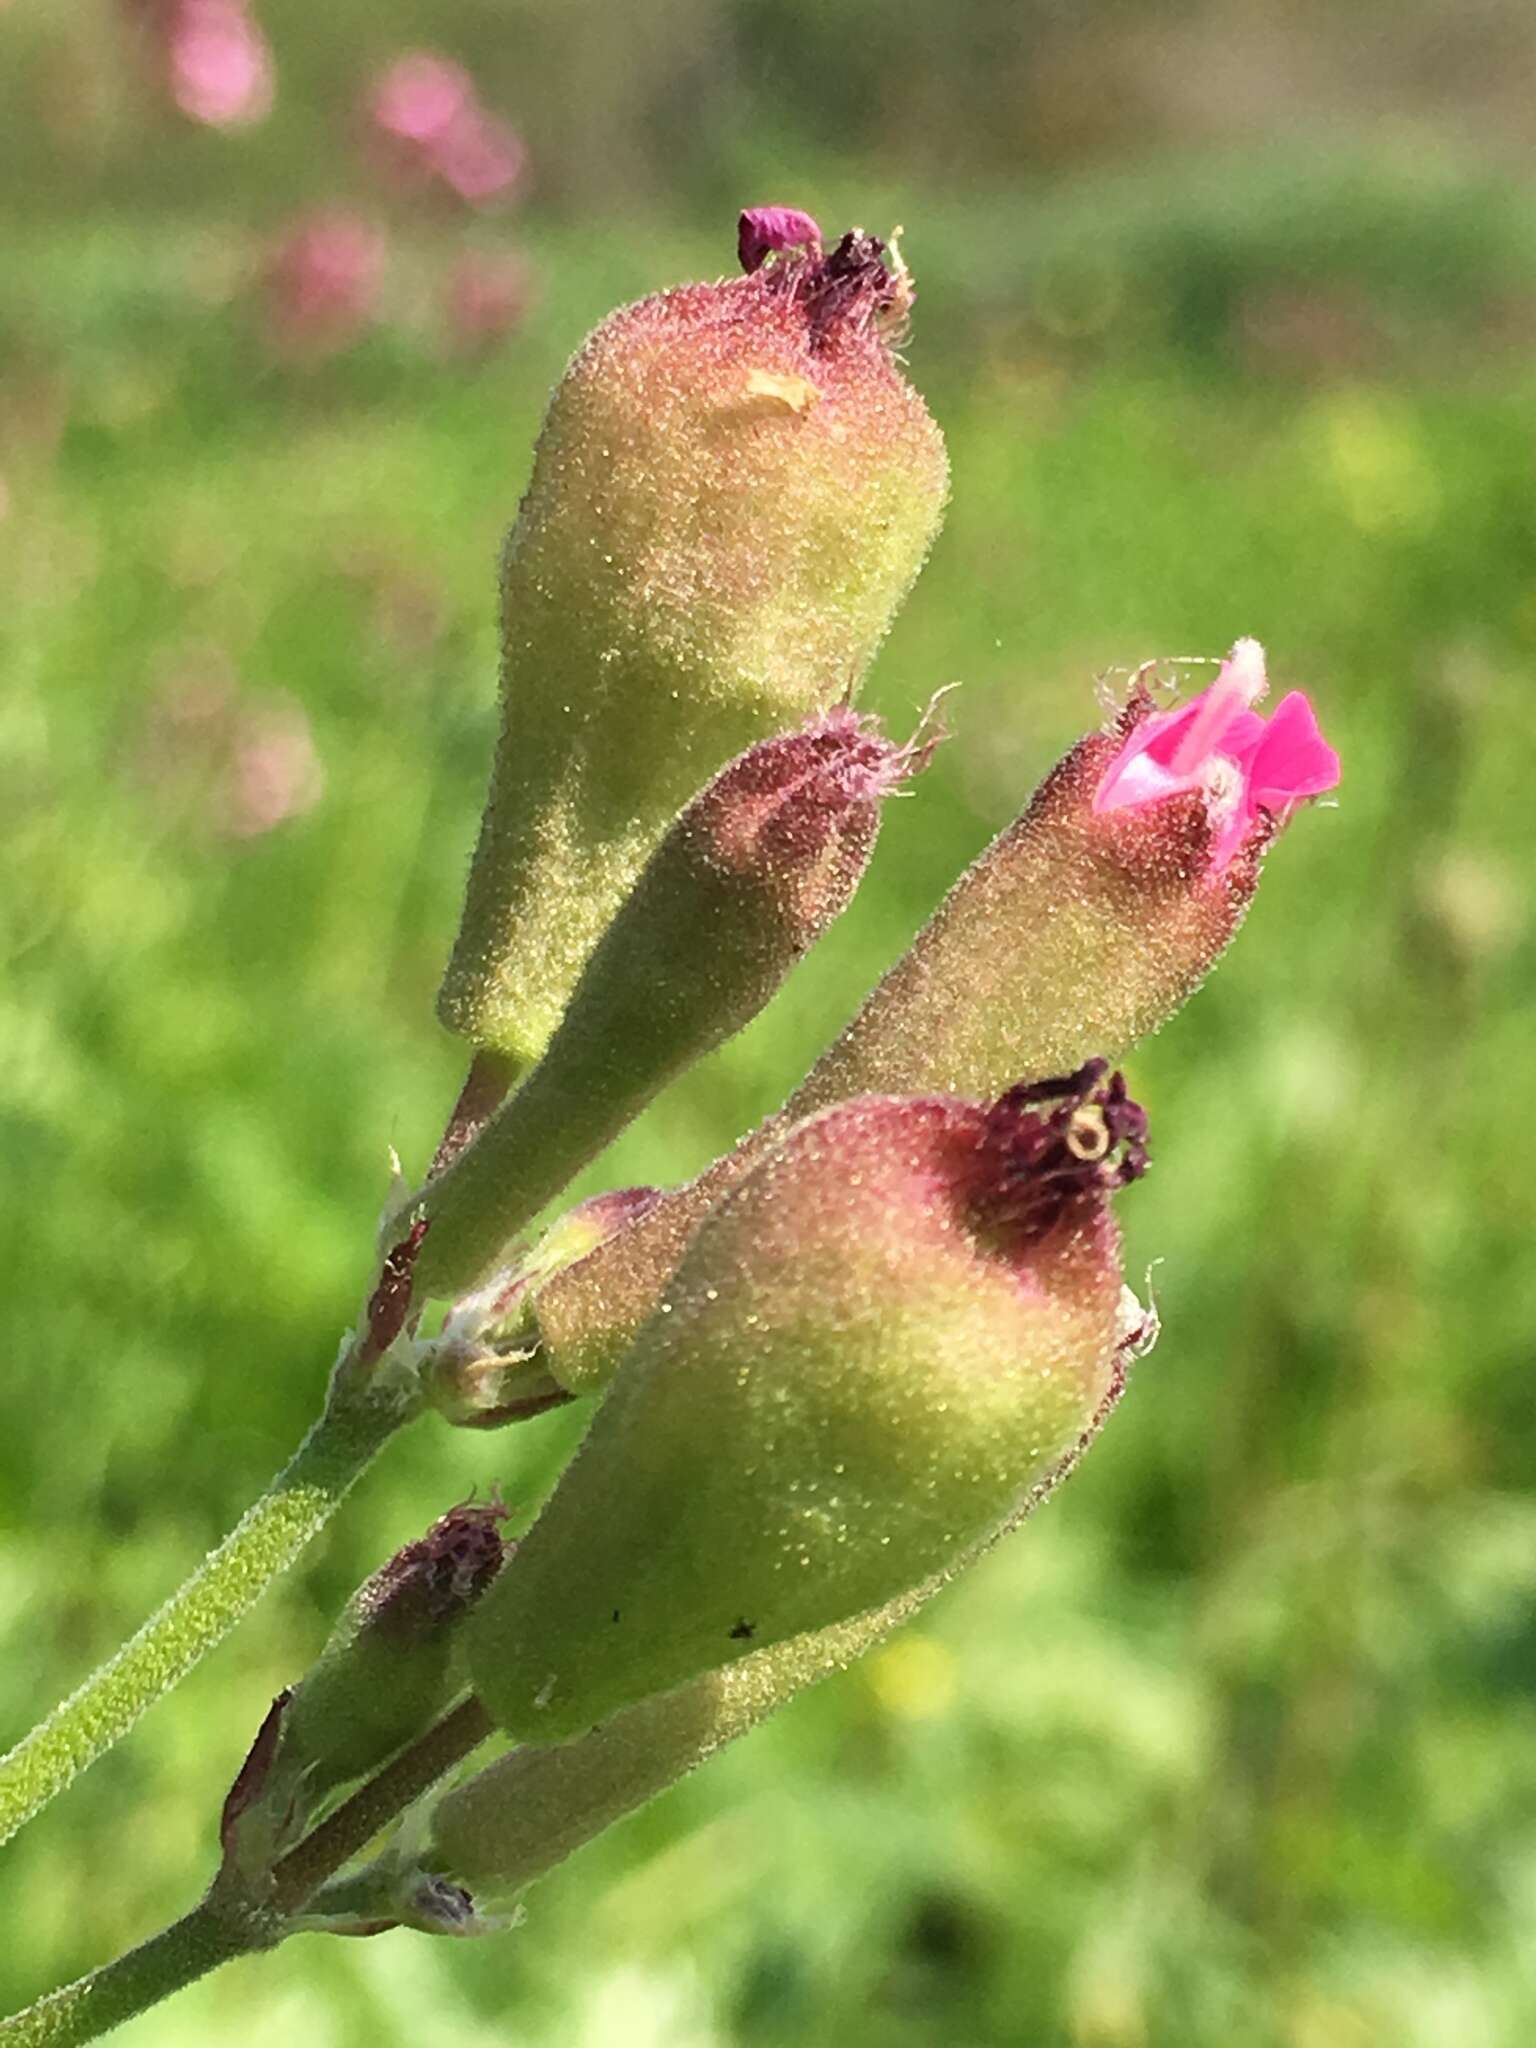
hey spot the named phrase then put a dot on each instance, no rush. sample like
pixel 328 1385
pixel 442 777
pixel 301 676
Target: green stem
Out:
pixel 163 1964
pixel 353 1825
pixel 265 1542
pixel 219 1930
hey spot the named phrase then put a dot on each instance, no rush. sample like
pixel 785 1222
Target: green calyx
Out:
pixel 732 493
pixel 391 1665
pixel 862 1366
pixel 743 883
pixel 1072 932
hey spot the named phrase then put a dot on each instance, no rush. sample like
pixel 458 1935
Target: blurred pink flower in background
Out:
pixel 219 62
pixel 229 764
pixel 320 278
pixel 486 300
pixel 274 772
pixel 420 96
pixel 426 111
pixel 321 281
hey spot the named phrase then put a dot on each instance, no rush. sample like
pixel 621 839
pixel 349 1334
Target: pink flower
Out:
pixel 322 281
pixel 420 96
pixel 274 773
pixel 1244 765
pixel 486 300
pixel 479 157
pixel 220 65
pixel 234 765
pixel 426 108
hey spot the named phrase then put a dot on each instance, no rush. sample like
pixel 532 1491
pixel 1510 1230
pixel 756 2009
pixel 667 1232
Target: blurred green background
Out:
pixel 1228 312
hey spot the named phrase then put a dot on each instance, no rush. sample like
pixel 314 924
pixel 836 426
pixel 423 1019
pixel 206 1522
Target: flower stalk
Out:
pixel 263 1544
pixel 227 1924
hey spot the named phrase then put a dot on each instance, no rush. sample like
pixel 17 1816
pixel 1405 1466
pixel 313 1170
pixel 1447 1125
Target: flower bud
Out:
pixel 732 493
pixel 1086 924
pixel 749 876
pixel 873 1350
pixel 494 1833
pixel 391 1666
pixel 1090 920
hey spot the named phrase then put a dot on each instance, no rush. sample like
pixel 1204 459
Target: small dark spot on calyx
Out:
pixel 615 1614
pixel 744 1631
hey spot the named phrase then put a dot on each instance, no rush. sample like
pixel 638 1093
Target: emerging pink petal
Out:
pixel 1221 747
pixel 1292 760
pixel 762 230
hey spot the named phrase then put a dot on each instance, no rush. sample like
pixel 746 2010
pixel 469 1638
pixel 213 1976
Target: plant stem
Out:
pixel 490 1076
pixel 219 1929
pixel 232 1578
pixel 355 1823
pixel 175 1957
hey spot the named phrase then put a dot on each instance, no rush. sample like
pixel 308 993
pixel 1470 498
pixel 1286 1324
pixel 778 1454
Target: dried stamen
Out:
pixel 842 290
pixel 1052 1145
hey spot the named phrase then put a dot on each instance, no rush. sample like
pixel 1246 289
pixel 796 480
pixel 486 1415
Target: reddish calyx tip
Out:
pixel 451 1566
pixel 1052 1146
pixel 864 761
pixel 1249 769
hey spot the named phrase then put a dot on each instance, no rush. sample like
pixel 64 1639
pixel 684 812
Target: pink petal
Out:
pixel 1233 832
pixel 763 229
pixel 221 68
pixel 1293 759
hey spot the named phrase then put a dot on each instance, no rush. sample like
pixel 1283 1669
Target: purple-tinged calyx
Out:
pixel 874 1352
pixel 1251 770
pixel 732 492
pixel 749 875
pixel 390 1668
pixel 1053 1147
pixel 788 800
pixel 434 1581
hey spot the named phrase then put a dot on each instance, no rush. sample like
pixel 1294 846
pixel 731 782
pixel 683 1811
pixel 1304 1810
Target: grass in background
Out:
pixel 1234 1744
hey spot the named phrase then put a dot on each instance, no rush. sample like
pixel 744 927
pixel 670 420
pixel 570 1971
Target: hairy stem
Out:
pixel 165 1963
pixel 400 1784
pixel 220 1929
pixel 232 1578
